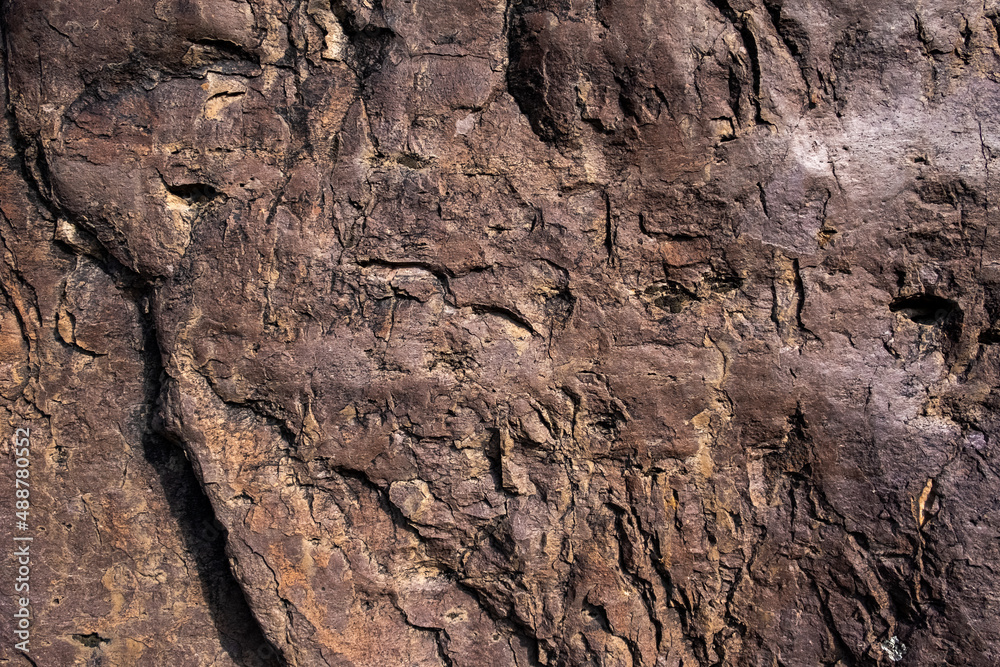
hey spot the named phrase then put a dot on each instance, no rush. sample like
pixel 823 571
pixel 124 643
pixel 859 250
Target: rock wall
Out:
pixel 623 333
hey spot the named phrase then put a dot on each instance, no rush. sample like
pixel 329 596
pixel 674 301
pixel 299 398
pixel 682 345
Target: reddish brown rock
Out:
pixel 544 333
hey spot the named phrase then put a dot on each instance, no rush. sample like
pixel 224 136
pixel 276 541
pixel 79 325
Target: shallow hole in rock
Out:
pixel 670 296
pixel 412 160
pixel 92 640
pixel 723 282
pixel 989 337
pixel 926 308
pixel 195 193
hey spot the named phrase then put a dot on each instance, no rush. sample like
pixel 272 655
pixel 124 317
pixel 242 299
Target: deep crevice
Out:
pixel 529 79
pixel 204 538
pixel 796 41
pixel 740 24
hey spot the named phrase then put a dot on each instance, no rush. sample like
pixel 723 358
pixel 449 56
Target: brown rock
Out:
pixel 461 333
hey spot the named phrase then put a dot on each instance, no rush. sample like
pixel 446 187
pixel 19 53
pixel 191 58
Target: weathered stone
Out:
pixel 565 333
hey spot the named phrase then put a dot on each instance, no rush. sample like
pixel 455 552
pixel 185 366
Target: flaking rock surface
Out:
pixel 624 333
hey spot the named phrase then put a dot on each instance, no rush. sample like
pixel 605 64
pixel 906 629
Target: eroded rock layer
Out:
pixel 624 333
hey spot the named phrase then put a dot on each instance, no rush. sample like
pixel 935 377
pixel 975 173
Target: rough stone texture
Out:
pixel 619 333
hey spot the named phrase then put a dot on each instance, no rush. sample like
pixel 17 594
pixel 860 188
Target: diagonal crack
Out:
pixel 203 536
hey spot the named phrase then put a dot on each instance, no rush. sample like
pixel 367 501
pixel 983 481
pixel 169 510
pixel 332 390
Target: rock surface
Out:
pixel 625 333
